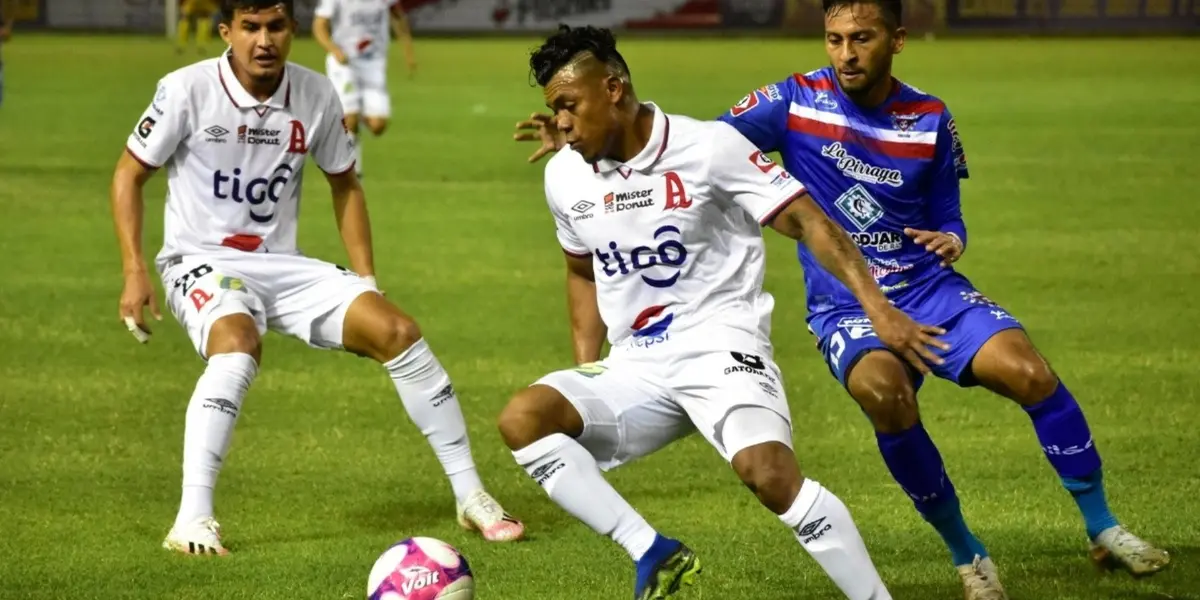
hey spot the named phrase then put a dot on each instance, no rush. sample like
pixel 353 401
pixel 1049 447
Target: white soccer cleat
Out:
pixel 482 513
pixel 1117 548
pixel 981 580
pixel 202 536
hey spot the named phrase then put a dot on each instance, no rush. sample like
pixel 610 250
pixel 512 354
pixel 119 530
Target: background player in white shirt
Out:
pixel 660 218
pixel 233 133
pixel 355 35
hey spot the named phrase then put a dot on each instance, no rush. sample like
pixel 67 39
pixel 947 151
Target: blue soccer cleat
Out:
pixel 666 567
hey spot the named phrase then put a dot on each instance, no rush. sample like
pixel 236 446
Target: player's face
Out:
pixel 584 101
pixel 260 40
pixel 861 45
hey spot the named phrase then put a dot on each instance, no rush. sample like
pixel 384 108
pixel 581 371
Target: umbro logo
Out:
pixel 441 397
pixel 813 530
pixel 546 471
pixel 216 133
pixel 582 207
pixel 221 405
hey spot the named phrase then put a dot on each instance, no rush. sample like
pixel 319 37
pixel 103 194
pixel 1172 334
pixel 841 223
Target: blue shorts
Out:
pixel 948 301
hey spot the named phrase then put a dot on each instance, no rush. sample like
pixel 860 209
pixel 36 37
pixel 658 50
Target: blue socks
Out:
pixel 917 466
pixel 1063 432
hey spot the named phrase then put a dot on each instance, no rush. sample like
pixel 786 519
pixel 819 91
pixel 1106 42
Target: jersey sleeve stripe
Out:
pixel 576 254
pixel 144 162
pixel 774 212
pixel 918 107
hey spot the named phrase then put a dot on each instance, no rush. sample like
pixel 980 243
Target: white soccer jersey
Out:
pixel 361 28
pixel 675 233
pixel 234 164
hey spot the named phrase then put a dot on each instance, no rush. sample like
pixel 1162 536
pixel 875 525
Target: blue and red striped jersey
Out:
pixel 873 170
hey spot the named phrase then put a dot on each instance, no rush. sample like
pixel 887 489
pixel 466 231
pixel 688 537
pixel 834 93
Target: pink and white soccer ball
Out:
pixel 421 568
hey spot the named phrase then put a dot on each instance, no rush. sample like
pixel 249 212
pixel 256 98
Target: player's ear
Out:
pixel 898 38
pixel 224 29
pixel 615 88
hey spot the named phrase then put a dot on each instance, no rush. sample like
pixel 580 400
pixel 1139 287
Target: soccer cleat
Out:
pixel 202 536
pixel 482 513
pixel 666 567
pixel 981 581
pixel 1117 548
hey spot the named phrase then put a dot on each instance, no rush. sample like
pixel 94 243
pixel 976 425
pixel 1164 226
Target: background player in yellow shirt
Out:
pixel 202 12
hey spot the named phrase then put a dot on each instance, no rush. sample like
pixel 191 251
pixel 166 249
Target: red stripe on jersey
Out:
pixel 243 241
pixel 917 107
pixel 839 133
pixel 144 162
pixel 666 136
pixel 820 85
pixel 576 255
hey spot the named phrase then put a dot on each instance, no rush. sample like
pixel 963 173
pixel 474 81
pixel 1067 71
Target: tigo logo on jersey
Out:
pixel 669 253
pixel 650 326
pixel 857 169
pixel 858 204
pixel 254 191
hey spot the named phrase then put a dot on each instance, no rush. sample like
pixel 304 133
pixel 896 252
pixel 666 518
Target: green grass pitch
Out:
pixel 1082 212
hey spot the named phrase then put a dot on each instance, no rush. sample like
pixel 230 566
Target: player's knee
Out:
pixel 234 334
pixel 536 412
pixel 770 471
pixel 886 394
pixel 377 126
pixel 1032 380
pixel 398 335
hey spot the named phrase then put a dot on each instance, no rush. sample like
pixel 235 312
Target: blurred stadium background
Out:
pixel 1082 215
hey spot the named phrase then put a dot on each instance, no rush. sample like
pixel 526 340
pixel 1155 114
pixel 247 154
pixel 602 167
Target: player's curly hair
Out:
pixel 228 7
pixel 561 48
pixel 893 10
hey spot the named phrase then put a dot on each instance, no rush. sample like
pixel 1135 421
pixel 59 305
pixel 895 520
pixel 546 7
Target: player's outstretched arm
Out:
pixel 354 224
pixel 587 328
pixel 403 32
pixel 129 177
pixel 323 33
pixel 803 220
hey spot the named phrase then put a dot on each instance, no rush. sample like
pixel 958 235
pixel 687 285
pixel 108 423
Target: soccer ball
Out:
pixel 421 568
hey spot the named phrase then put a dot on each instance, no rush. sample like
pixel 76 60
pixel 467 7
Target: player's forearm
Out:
pixel 837 253
pixel 323 34
pixel 354 224
pixel 587 328
pixel 128 210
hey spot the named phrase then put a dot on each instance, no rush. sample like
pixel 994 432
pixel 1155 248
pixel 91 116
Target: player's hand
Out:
pixel 540 127
pixel 945 245
pixel 137 295
pixel 909 339
pixel 340 56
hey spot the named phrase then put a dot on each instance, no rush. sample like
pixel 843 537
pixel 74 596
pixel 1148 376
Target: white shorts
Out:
pixel 635 405
pixel 362 85
pixel 293 295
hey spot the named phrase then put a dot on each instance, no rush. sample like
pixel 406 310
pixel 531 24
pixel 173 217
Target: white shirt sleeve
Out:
pixel 332 149
pixel 562 222
pixel 741 173
pixel 162 126
pixel 325 9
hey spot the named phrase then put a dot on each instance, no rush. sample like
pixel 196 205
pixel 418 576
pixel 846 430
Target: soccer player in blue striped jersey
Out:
pixel 885 160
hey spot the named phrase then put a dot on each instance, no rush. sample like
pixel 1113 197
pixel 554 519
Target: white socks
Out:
pixel 428 396
pixel 569 474
pixel 211 416
pixel 825 529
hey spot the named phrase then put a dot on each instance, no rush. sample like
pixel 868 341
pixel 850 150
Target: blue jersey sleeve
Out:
pixel 949 166
pixel 761 116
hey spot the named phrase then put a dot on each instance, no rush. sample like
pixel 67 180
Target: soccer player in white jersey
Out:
pixel 661 217
pixel 355 35
pixel 233 133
